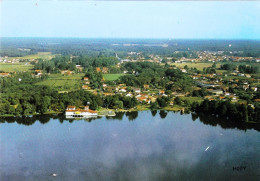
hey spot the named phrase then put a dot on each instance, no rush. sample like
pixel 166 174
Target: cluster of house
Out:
pixel 8 60
pixel 142 95
pixel 134 53
pixel 5 74
pixel 219 87
pixel 216 84
pixel 38 73
pixel 86 83
pixel 211 56
pixel 67 72
pixel 79 68
pixel 103 70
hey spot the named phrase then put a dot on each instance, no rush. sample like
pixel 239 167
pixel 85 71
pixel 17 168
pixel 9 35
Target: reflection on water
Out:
pixel 131 115
pixel 148 145
pixel 154 112
pixel 163 114
pixel 205 119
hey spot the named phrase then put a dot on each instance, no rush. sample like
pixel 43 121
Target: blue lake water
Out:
pixel 142 146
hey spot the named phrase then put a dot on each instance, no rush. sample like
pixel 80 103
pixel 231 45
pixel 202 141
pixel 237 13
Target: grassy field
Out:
pixel 61 82
pixel 173 108
pixel 199 66
pixel 192 99
pixel 15 67
pixel 112 77
pixel 66 77
pixel 43 55
pixel 24 66
pixel 236 77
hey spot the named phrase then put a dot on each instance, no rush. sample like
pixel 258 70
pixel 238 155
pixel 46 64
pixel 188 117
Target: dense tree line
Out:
pixel 178 81
pixel 95 79
pixel 248 69
pixel 139 67
pixel 18 82
pixel 228 66
pixel 209 70
pixel 20 96
pixel 245 53
pixel 55 64
pixel 14 52
pixel 69 63
pixel 160 102
pixel 119 102
pixel 143 73
pixel 185 54
pixel 200 93
pixel 228 110
pixel 98 61
pixel 241 68
pixel 42 99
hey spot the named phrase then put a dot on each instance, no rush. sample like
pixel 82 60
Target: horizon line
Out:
pixel 144 38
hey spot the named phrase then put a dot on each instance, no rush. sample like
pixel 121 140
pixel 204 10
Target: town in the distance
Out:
pixel 97 77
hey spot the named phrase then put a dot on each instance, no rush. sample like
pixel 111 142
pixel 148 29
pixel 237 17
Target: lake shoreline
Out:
pixel 137 108
pixel 112 112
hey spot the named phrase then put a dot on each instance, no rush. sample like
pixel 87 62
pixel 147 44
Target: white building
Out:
pixel 72 112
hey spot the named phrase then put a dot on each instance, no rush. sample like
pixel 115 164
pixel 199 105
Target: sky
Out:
pixel 130 19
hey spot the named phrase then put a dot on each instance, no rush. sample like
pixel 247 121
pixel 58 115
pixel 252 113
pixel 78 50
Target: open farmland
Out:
pixel 66 77
pixel 192 99
pixel 200 66
pixel 196 65
pixel 60 82
pixel 15 67
pixel 112 77
pixel 43 55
